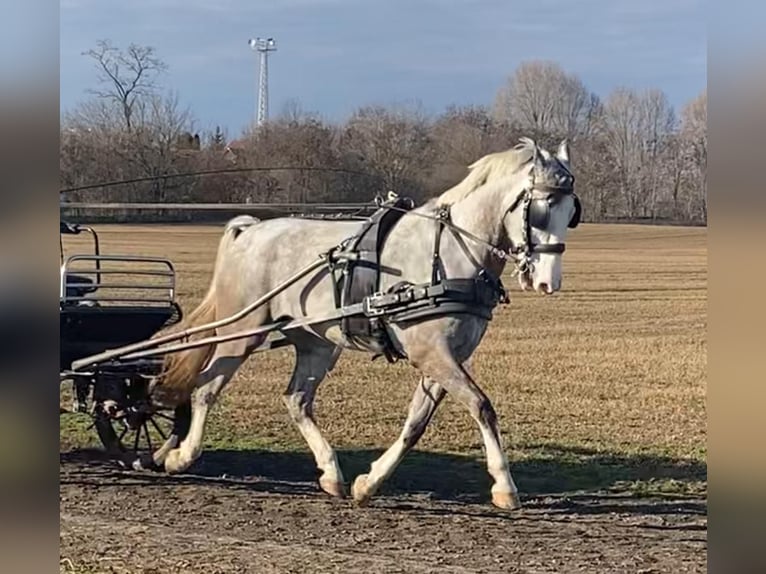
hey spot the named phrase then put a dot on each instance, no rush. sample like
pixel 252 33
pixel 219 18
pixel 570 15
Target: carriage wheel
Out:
pixel 132 433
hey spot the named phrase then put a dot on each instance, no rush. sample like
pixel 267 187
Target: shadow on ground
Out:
pixel 564 473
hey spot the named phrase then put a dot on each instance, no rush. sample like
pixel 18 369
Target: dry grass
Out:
pixel 601 384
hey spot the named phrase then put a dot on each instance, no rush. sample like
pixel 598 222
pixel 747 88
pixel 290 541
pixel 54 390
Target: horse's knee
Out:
pixel 205 396
pixel 298 405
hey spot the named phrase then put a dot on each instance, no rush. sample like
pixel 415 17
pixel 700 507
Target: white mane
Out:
pixel 490 167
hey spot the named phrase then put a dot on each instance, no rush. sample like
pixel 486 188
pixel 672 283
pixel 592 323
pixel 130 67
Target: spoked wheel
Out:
pixel 133 428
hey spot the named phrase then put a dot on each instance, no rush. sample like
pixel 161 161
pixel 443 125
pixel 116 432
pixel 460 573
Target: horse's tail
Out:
pixel 179 370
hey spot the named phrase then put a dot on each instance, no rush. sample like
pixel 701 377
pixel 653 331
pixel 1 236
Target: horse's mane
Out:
pixel 491 166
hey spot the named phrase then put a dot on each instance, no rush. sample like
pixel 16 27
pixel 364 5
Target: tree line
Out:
pixel 634 157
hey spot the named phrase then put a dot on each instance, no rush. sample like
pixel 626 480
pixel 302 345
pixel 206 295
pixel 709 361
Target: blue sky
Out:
pixel 336 55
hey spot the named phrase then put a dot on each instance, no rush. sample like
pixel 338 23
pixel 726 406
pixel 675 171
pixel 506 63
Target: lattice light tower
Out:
pixel 263 46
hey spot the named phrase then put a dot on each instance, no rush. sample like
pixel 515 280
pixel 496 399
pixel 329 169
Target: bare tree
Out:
pixel 543 100
pixel 157 145
pixel 96 146
pixel 131 129
pixel 126 76
pixel 673 169
pixel 460 136
pixel 392 142
pixel 293 112
pixel 657 125
pixel 693 135
pixel 297 140
pixel 638 129
pixel 619 127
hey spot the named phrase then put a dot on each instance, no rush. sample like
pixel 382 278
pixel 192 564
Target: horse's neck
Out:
pixel 482 214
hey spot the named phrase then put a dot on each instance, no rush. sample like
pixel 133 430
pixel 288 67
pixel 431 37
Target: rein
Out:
pixel 443 218
pixel 519 255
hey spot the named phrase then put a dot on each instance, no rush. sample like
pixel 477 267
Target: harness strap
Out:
pixel 437 269
pixel 461 242
pixel 496 251
pixel 438 273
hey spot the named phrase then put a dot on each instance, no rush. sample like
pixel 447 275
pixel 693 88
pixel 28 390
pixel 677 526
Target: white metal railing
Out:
pixel 120 280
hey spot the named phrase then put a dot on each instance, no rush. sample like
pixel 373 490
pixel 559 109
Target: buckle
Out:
pixel 375 304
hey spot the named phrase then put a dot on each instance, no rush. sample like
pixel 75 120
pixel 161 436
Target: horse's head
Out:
pixel 538 220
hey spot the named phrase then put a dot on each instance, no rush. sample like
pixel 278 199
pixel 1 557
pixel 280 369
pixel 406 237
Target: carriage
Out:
pixel 108 301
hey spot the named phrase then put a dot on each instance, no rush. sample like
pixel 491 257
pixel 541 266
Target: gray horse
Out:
pixel 517 203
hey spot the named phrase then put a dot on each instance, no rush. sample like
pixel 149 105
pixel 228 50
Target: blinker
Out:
pixel 539 213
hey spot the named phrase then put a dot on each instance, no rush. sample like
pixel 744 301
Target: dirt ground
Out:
pixel 208 521
pixel 605 431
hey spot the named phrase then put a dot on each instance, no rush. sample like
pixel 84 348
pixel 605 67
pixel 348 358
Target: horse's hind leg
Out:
pixel 314 359
pixel 427 397
pixel 210 382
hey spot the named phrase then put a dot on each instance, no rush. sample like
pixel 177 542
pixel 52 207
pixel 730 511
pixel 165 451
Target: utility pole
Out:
pixel 263 46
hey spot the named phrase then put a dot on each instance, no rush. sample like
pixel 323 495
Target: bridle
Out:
pixel 536 213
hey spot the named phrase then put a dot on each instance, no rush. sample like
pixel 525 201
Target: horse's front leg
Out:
pixel 426 398
pixel 438 363
pixel 461 385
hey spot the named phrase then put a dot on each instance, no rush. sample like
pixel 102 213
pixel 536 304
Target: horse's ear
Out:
pixel 562 153
pixel 537 156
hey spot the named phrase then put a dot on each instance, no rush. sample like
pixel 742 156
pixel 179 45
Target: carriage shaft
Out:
pixel 281 326
pixel 130 350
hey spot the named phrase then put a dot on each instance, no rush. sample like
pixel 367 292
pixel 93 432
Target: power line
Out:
pixel 215 172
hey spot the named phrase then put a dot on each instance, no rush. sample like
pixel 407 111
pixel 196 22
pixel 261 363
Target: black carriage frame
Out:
pixel 107 301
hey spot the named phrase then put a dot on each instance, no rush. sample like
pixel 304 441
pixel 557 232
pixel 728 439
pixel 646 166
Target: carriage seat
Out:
pixel 79 285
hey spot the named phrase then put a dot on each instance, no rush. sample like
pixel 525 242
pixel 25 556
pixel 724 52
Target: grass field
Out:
pixel 601 386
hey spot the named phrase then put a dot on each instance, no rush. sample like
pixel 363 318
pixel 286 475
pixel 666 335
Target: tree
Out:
pixel 658 125
pixel 293 140
pixel 693 134
pixel 394 143
pixel 154 143
pixel 638 129
pixel 126 76
pixel 631 157
pixel 131 129
pixel 542 100
pixel 218 138
pixel 460 136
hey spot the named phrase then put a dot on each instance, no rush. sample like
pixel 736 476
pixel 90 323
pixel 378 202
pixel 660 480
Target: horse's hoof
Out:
pixel 161 454
pixel 506 500
pixel 173 462
pixel 359 490
pixel 333 488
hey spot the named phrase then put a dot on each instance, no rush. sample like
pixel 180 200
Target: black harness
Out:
pixel 360 269
pixel 355 271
